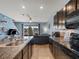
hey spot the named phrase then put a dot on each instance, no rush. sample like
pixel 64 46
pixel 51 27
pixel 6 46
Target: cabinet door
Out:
pixel 78 5
pixel 19 56
pixel 59 54
pixel 55 20
pixel 71 7
pixel 51 48
pixel 25 49
pixel 51 45
pixel 61 17
pixel 54 50
pixel 25 56
pixel 15 57
pixel 30 51
pixel 26 52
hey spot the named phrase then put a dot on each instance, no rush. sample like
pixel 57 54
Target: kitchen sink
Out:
pixel 12 44
pixel 16 43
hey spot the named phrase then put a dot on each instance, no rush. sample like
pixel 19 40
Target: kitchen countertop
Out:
pixel 66 45
pixel 9 52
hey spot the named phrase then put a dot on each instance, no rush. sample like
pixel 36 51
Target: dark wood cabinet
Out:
pixel 18 56
pixel 55 20
pixel 59 54
pixel 72 13
pixel 77 5
pixel 25 53
pixel 30 50
pixel 61 17
pixel 51 46
pixel 71 8
pixel 57 51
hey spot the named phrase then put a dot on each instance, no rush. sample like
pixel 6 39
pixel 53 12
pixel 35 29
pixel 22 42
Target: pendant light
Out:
pixel 30 19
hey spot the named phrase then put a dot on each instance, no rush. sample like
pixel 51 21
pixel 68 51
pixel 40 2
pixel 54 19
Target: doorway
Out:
pixel 30 30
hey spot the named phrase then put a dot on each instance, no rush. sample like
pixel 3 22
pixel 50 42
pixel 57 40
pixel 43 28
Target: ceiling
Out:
pixel 13 9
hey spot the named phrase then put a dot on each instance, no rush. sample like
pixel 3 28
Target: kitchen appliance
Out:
pixel 11 32
pixel 74 41
pixel 72 23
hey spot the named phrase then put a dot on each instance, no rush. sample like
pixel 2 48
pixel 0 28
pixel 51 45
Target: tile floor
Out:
pixel 41 52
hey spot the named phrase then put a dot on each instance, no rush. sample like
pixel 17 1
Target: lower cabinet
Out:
pixel 19 56
pixel 30 50
pixel 26 53
pixel 57 52
pixel 25 56
pixel 51 48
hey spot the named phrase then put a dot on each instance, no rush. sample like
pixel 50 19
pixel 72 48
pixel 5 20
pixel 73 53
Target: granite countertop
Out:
pixel 9 52
pixel 67 45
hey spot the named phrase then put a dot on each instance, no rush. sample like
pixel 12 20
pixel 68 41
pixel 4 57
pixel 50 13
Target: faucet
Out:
pixel 13 32
pixel 10 38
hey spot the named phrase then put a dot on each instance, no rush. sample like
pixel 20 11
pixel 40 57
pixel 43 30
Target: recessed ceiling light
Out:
pixel 41 7
pixel 23 7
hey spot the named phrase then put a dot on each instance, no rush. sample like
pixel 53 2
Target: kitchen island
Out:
pixel 22 51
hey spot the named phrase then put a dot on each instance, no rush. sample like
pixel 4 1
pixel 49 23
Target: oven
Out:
pixel 74 41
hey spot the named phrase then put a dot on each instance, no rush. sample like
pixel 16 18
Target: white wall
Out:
pixel 50 24
pixel 44 28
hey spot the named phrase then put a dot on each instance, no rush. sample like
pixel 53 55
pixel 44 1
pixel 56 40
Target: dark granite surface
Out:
pixel 65 47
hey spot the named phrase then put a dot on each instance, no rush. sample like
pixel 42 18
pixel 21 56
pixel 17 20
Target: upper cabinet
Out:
pixel 59 18
pixel 77 4
pixel 71 8
pixel 69 15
